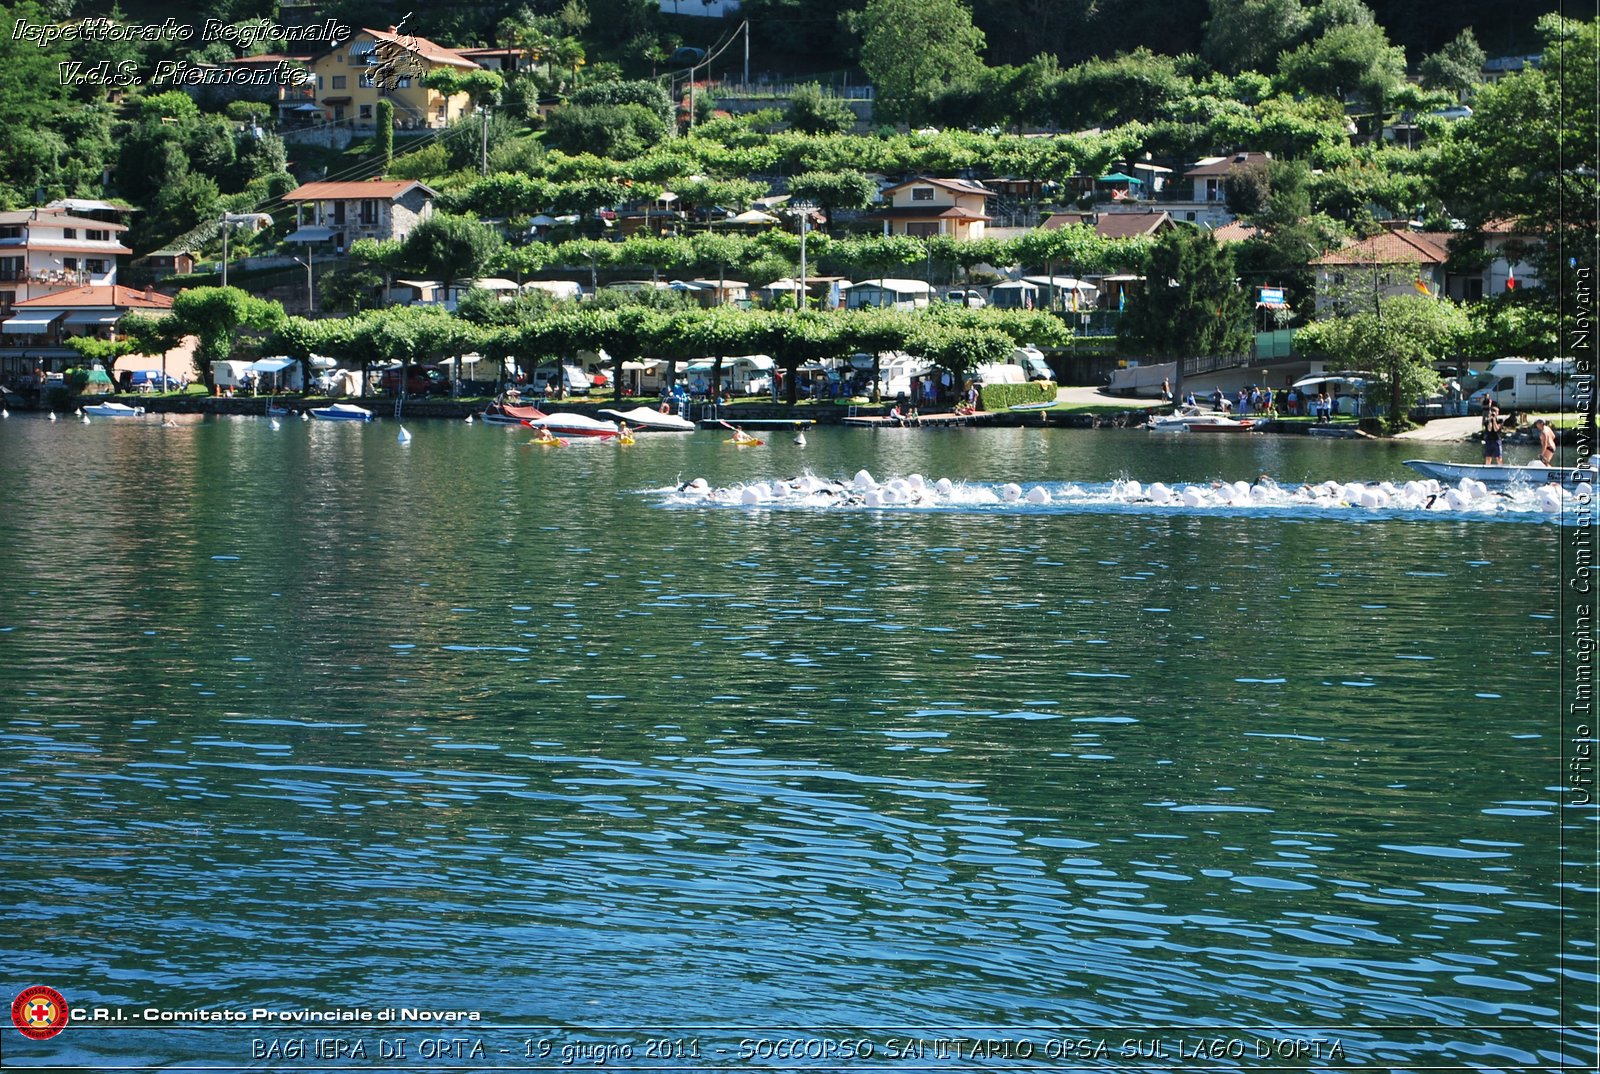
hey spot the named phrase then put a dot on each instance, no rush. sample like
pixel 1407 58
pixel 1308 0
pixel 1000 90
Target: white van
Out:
pixel 571 378
pixel 1528 384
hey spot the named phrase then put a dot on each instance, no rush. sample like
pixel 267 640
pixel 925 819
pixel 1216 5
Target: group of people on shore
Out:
pixel 1494 425
pixel 1254 399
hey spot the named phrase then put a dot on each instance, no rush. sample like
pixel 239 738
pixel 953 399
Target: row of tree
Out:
pixel 954 338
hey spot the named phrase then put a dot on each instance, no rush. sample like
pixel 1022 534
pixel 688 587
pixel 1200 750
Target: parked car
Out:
pixel 972 299
pixel 420 380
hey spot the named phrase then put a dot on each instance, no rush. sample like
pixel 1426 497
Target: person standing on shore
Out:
pixel 1547 441
pixel 1493 431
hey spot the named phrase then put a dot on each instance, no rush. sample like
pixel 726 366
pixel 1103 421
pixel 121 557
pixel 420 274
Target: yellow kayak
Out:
pixel 549 441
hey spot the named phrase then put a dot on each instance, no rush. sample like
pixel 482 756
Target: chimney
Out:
pixel 149 292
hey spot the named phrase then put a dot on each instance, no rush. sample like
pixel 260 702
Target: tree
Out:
pixel 383 142
pixel 1189 304
pixel 213 314
pixel 1349 60
pixel 1457 68
pixel 1400 340
pixel 1246 35
pixel 834 190
pixel 613 130
pixel 913 48
pixel 455 249
pixel 812 113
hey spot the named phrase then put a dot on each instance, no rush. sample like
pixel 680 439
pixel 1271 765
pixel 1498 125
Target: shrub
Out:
pixel 1001 396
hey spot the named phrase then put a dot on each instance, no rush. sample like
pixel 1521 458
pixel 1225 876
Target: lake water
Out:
pixel 311 719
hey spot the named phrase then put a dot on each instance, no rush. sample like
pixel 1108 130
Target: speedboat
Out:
pixel 114 410
pixel 1191 420
pixel 342 412
pixel 644 418
pixel 1535 473
pixel 572 425
pixel 510 414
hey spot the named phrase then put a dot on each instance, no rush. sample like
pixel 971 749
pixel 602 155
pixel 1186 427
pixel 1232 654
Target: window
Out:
pixel 95 265
pixel 921 230
pixel 403 82
pixel 339 81
pixel 922 193
pixel 12 268
pixel 1189 217
pixel 366 111
pixel 70 264
pixel 1474 290
pixel 11 232
pixel 366 80
pixel 7 298
pixel 97 236
pixel 1543 377
pixel 69 233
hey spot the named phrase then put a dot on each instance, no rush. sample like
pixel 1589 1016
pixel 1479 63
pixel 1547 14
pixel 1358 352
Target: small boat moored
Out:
pixel 644 419
pixel 1191 420
pixel 114 410
pixel 572 425
pixel 1535 473
pixel 342 412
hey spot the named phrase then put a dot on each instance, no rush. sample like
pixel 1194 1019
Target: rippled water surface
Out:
pixel 311 718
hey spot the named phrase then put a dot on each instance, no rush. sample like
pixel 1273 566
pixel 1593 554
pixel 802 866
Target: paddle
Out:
pixel 740 437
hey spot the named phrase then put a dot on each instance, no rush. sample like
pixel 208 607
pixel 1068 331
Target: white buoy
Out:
pixel 275 425
pixel 304 416
pixel 469 419
pixel 52 415
pixel 85 417
pixel 800 438
pixel 403 436
pixel 4 413
pixel 80 412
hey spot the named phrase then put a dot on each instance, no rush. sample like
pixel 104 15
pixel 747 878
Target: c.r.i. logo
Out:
pixel 39 1012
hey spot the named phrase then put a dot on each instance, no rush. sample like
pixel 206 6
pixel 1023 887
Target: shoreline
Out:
pixel 872 417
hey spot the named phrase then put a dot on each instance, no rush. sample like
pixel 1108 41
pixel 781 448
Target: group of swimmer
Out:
pixel 863 490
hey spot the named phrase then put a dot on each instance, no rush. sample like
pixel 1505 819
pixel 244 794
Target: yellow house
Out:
pixel 374 65
pixel 924 207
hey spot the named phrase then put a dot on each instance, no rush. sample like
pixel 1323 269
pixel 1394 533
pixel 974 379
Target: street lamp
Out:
pixel 311 300
pixel 233 220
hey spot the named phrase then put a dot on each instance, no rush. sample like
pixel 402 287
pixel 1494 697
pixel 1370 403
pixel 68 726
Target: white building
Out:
pixel 47 250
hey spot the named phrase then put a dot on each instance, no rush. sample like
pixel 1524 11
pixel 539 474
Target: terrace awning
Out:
pixel 90 318
pixel 29 324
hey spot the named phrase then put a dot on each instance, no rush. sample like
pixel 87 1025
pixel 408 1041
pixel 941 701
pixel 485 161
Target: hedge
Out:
pixel 1001 396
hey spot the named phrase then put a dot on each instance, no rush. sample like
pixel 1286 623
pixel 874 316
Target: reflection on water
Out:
pixel 308 717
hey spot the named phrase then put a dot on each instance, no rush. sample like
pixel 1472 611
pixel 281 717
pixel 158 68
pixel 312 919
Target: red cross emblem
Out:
pixel 39 1013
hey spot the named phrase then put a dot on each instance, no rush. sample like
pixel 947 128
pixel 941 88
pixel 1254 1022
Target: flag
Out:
pixel 1422 285
pixel 1511 277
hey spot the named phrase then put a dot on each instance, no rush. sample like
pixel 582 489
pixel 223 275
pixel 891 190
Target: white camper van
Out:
pixel 1528 384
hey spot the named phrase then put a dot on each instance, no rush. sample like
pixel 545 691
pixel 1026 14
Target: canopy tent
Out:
pixel 309 234
pixel 1358 380
pixel 271 365
pixel 750 216
pixel 1119 177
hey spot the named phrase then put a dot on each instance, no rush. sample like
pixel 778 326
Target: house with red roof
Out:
pixel 923 207
pixel 342 212
pixel 36 330
pixel 1396 261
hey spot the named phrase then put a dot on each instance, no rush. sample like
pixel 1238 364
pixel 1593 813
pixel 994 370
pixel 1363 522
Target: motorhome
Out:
pixel 1026 363
pixel 1529 384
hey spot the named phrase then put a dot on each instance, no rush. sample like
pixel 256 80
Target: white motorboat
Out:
pixel 572 425
pixel 342 412
pixel 1535 473
pixel 1190 420
pixel 503 413
pixel 114 410
pixel 645 418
